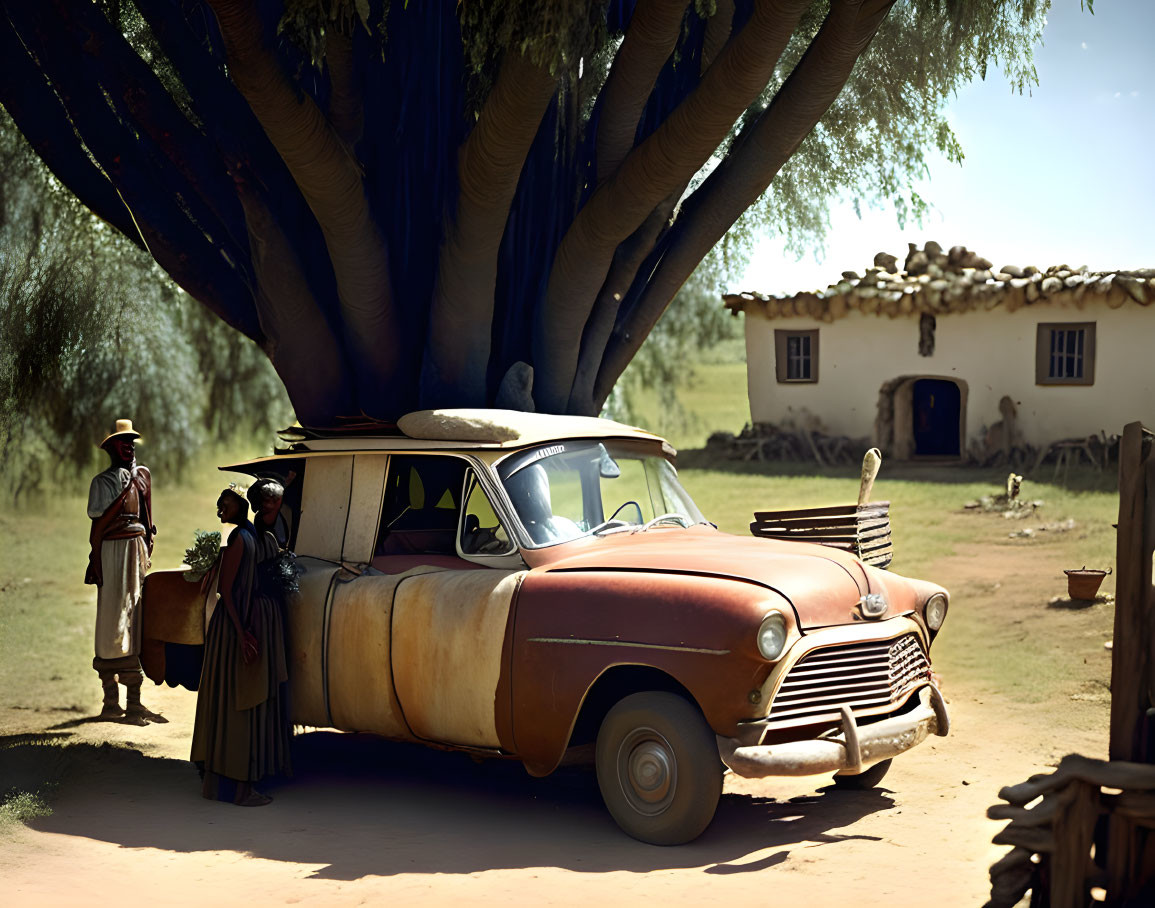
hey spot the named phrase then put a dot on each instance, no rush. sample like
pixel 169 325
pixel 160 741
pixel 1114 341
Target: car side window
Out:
pixel 422 506
pixel 482 532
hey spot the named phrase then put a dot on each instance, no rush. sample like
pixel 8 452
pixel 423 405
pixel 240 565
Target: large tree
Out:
pixel 470 202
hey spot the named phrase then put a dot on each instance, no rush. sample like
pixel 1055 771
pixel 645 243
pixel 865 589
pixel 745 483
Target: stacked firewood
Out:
pixel 769 442
pixel 1059 851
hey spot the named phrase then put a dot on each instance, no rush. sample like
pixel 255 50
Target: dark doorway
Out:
pixel 936 408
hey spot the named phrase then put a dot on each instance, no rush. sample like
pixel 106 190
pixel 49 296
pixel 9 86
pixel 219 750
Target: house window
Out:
pixel 796 355
pixel 1065 353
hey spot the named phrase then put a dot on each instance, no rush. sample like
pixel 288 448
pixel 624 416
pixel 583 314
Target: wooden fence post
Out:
pixel 1133 655
pixel 1131 652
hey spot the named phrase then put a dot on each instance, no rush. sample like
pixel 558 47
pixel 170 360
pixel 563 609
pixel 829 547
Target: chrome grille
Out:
pixel 863 676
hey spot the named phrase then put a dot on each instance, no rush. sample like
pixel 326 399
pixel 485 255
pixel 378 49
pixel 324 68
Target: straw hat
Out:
pixel 122 427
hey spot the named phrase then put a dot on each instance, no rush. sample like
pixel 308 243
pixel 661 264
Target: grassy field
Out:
pixel 46 612
pixel 712 398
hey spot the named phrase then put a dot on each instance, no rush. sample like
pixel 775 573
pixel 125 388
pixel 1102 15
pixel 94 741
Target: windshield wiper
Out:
pixel 607 526
pixel 682 520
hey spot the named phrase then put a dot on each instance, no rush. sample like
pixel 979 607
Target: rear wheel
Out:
pixel 865 779
pixel 658 768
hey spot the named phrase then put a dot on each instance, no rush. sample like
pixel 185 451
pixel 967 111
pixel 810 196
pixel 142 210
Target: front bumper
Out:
pixel 856 748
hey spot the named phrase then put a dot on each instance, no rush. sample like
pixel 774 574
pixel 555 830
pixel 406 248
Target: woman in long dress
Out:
pixel 242 731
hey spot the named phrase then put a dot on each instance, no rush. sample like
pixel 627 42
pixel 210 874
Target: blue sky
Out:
pixel 1063 175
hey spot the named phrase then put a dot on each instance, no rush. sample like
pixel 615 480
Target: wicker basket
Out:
pixel 1083 583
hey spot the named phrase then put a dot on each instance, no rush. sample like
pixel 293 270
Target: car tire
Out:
pixel 658 768
pixel 865 779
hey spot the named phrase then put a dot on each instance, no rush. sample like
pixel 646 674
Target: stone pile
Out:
pixel 936 282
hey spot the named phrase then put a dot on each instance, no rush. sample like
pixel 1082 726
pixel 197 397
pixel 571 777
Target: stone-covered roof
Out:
pixel 937 282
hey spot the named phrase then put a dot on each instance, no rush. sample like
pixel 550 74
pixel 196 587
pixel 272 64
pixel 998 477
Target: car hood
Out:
pixel 822 583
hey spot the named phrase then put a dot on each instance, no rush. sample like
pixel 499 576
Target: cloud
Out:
pixel 1083 45
pixel 1134 94
pixel 1118 94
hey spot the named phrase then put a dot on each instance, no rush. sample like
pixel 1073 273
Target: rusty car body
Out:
pixel 528 586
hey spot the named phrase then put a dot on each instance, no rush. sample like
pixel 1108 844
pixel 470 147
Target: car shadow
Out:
pixel 359 806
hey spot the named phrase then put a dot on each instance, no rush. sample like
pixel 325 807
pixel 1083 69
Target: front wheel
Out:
pixel 658 768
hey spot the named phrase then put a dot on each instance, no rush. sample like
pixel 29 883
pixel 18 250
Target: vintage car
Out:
pixel 537 587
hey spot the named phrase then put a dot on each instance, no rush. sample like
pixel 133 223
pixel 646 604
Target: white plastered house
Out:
pixel 928 360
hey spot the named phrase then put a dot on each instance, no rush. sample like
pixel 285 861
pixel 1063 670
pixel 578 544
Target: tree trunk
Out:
pixel 490 163
pixel 668 158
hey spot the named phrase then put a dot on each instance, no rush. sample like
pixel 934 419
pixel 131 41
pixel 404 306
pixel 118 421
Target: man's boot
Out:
pixel 111 708
pixel 135 711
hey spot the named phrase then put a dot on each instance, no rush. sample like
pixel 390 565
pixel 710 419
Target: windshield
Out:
pixel 566 490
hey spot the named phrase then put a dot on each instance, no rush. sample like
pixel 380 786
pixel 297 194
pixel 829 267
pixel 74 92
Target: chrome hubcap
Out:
pixel 647 770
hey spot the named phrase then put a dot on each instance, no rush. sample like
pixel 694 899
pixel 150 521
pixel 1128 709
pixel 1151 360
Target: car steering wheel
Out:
pixel 623 506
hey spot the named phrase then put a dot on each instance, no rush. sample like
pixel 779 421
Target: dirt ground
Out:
pixel 368 821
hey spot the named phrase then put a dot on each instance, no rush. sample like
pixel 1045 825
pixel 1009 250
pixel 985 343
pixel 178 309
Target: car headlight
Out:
pixel 873 605
pixel 772 636
pixel 935 611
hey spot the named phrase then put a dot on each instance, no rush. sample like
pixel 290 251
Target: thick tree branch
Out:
pixel 649 41
pixel 246 150
pixel 759 154
pixel 37 113
pixel 294 325
pixel 489 165
pixel 346 108
pixel 627 259
pixel 717 32
pixel 668 158
pixel 227 117
pixel 139 97
pixel 178 244
pixel 331 182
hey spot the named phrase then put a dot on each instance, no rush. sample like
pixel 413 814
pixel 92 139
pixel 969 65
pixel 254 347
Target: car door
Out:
pixel 450 622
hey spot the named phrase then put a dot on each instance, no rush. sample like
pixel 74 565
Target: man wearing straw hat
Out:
pixel 120 505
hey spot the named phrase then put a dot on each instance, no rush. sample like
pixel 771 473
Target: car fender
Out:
pixel 573 626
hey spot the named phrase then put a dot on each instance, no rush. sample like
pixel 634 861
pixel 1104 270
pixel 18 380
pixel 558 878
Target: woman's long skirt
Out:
pixel 242 728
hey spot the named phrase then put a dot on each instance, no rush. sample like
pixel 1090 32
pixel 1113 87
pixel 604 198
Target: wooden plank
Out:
pixel 843 509
pixel 849 523
pixel 812 535
pixel 1128 681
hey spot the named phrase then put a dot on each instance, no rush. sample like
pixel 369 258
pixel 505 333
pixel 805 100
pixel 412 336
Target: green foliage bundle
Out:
pixel 203 554
pixel 285 571
pixel 91 330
